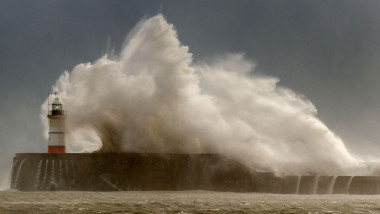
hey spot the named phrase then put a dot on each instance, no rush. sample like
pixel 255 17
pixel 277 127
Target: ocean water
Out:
pixel 183 202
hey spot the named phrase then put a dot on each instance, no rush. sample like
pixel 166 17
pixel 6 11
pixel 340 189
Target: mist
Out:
pixel 153 98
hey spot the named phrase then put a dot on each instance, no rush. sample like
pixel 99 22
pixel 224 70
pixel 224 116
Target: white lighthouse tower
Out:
pixel 57 118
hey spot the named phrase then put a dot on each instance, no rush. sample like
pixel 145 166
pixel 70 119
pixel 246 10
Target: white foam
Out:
pixel 153 98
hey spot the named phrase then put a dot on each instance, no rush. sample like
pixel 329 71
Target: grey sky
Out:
pixel 326 50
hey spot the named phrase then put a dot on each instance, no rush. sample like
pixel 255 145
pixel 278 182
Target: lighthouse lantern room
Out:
pixel 57 117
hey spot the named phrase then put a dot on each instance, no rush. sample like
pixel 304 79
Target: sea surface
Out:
pixel 183 202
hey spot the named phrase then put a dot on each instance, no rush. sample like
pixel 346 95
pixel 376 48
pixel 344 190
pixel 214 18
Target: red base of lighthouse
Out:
pixel 57 149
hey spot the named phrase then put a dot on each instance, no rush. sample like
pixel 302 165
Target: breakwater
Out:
pixel 129 171
pixel 140 172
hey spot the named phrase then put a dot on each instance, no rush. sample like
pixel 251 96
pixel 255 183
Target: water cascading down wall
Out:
pixel 140 172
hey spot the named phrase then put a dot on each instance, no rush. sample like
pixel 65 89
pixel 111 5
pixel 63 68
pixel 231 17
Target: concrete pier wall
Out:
pixel 131 171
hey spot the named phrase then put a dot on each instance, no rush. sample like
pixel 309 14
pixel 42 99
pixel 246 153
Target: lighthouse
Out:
pixel 57 117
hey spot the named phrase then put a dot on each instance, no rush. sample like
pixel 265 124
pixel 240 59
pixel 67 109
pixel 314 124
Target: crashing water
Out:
pixel 18 174
pixel 154 98
pixel 38 175
pixel 315 187
pixel 73 168
pixel 6 181
pixel 46 173
pixel 349 184
pixel 298 184
pixel 331 186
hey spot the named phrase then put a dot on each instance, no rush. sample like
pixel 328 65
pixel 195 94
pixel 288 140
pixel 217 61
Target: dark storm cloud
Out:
pixel 326 50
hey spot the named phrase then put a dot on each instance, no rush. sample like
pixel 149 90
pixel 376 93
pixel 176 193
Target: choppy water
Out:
pixel 183 202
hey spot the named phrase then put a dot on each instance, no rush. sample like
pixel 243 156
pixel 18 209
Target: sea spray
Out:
pixel 153 98
pixel 7 179
pixel 349 184
pixel 73 167
pixel 67 170
pixel 46 173
pixel 315 186
pixel 18 174
pixel 331 185
pixel 52 173
pixel 37 181
pixel 52 185
pixel 60 171
pixel 298 184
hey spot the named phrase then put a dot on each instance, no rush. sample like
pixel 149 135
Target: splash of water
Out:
pixel 38 175
pixel 52 176
pixel 67 170
pixel 331 185
pixel 153 98
pixel 349 184
pixel 18 173
pixel 6 181
pixel 73 166
pixel 298 184
pixel 60 171
pixel 46 173
pixel 315 186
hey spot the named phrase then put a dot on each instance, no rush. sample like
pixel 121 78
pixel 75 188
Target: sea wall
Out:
pixel 143 172
pixel 129 171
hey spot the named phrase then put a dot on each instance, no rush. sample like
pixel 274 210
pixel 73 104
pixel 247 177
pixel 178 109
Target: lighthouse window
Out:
pixel 57 107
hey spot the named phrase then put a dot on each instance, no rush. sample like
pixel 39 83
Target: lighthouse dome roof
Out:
pixel 57 101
